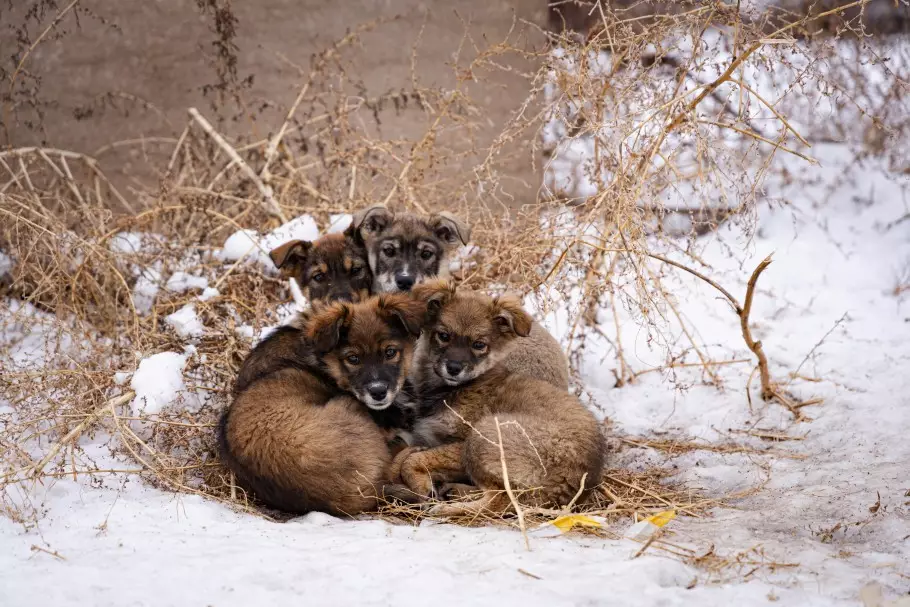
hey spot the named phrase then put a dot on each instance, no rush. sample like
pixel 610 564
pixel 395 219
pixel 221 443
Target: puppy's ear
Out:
pixel 511 317
pixel 450 229
pixel 370 222
pixel 324 328
pixel 406 310
pixel 290 254
pixel 433 295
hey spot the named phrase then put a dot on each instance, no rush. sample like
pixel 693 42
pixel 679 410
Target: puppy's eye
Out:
pixel 357 271
pixel 391 353
pixel 479 346
pixel 443 336
pixel 388 251
pixel 318 277
pixel 426 254
pixel 353 359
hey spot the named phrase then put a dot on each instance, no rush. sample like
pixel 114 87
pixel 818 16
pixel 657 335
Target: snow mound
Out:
pixel 157 382
pixel 180 282
pixel 250 245
pixel 339 222
pixel 186 322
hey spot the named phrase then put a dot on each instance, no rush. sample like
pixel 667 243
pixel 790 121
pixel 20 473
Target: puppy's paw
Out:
pixel 399 459
pixel 453 491
pixel 414 471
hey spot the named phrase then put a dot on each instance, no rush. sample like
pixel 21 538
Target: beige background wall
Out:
pixel 151 50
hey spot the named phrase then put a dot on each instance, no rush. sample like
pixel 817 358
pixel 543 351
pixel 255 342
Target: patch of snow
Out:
pixel 209 293
pixel 244 331
pixel 186 322
pixel 250 561
pixel 6 264
pixel 299 228
pixel 127 242
pixel 157 382
pixel 145 291
pixel 179 282
pixel 240 245
pixel 339 222
pixel 249 245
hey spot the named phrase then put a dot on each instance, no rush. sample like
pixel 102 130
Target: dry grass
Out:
pixel 663 150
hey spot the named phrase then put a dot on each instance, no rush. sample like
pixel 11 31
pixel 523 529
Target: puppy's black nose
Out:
pixel 378 390
pixel 404 283
pixel 343 296
pixel 453 367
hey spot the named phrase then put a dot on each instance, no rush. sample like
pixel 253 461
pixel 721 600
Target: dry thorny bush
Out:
pixel 653 132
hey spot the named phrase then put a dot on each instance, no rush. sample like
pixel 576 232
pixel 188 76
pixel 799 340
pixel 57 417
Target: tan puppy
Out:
pixel 551 441
pixel 298 438
pixel 404 249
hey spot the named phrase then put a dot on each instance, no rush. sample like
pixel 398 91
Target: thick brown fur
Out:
pixel 540 355
pixel 297 438
pixel 409 237
pixel 331 268
pixel 551 440
pixel 405 249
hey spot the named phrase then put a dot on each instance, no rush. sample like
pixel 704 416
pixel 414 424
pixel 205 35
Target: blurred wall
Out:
pixel 152 58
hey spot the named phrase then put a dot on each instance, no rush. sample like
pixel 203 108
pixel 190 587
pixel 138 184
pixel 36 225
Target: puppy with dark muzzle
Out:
pixel 404 249
pixel 300 438
pixel 552 443
pixel 331 268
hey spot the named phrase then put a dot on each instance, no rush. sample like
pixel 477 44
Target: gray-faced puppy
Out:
pixel 331 268
pixel 404 249
pixel 551 440
pixel 298 438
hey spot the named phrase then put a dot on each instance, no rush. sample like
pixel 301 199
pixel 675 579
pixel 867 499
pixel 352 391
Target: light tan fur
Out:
pixel 551 440
pixel 540 356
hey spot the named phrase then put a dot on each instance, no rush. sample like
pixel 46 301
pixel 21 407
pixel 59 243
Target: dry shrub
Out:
pixel 651 133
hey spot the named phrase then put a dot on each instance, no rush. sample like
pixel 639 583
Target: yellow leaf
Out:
pixel 565 523
pixel 662 518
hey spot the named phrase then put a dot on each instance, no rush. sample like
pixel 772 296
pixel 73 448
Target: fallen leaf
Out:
pixel 565 523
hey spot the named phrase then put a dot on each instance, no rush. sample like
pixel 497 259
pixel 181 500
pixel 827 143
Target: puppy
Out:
pixel 331 268
pixel 298 438
pixel 551 441
pixel 404 249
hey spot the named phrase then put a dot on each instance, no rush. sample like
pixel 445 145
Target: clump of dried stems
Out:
pixel 650 136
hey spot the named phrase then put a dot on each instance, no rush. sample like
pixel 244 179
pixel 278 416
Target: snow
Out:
pixel 180 282
pixel 186 322
pixel 250 245
pixel 209 293
pixel 121 543
pixel 6 264
pixel 339 222
pixel 157 382
pixel 145 291
pixel 239 244
pixel 835 263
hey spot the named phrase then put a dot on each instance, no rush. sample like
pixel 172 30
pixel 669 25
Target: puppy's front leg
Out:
pixel 422 469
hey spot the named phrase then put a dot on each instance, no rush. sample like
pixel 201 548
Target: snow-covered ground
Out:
pixel 831 508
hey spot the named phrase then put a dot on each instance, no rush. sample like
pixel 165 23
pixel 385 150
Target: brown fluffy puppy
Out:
pixel 404 249
pixel 551 440
pixel 331 268
pixel 297 438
